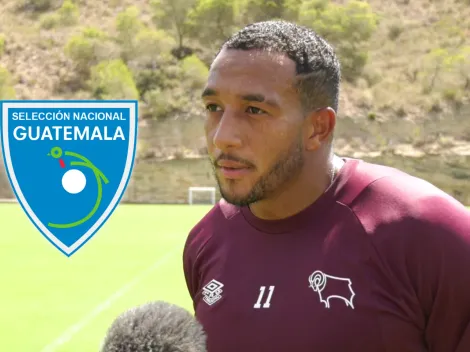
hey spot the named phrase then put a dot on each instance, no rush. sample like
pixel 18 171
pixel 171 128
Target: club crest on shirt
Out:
pixel 331 287
pixel 212 292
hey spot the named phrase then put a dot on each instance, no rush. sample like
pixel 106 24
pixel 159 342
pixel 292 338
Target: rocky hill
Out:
pixel 405 95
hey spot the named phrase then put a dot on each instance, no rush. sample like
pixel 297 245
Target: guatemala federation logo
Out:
pixel 69 163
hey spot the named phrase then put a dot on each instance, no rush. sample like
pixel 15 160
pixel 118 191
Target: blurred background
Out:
pixel 405 93
pixel 404 103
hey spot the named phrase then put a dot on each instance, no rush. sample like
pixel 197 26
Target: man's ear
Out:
pixel 319 128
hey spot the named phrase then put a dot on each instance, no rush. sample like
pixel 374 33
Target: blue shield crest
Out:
pixel 69 163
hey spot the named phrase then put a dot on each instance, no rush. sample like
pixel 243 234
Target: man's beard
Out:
pixel 285 169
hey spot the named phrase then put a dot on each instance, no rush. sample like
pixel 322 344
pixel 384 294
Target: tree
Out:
pixel 151 59
pixel 442 60
pixel 452 56
pixel 348 27
pixel 174 15
pixel 262 10
pixel 213 21
pixel 128 25
pixel 151 48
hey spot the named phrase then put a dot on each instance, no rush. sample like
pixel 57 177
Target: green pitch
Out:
pixel 51 303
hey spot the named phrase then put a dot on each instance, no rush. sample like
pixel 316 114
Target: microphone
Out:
pixel 155 327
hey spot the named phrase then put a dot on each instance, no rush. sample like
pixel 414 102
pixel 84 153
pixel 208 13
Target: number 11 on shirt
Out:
pixel 267 303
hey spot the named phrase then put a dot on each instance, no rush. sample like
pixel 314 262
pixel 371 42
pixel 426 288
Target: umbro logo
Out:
pixel 212 292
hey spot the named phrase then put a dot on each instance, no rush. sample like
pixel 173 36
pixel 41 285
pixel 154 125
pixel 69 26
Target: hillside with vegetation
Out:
pixel 405 93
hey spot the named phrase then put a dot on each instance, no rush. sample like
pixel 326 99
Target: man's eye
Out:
pixel 254 110
pixel 212 107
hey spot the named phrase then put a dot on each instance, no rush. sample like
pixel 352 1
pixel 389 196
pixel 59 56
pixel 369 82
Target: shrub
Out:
pixel 112 79
pixel 2 44
pixel 163 103
pixel 195 71
pixel 88 48
pixel 164 74
pixel 150 46
pixel 158 103
pixel 395 31
pixel 68 13
pixel 37 5
pixel 49 21
pixel 6 84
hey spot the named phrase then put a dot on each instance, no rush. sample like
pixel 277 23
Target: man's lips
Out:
pixel 230 164
pixel 233 169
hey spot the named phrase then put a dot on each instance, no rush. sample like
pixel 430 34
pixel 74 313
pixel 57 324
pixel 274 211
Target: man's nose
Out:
pixel 227 134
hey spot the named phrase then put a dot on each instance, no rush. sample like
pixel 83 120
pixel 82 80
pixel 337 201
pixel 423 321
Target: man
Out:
pixel 308 251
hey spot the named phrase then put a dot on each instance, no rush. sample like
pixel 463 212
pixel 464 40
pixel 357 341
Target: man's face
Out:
pixel 253 125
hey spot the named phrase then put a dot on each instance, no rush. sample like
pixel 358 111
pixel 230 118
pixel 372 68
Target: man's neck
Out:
pixel 299 194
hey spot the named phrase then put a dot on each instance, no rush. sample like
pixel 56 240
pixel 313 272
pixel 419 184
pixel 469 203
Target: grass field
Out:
pixel 51 303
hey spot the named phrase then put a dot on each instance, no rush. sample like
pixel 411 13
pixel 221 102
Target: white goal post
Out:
pixel 192 190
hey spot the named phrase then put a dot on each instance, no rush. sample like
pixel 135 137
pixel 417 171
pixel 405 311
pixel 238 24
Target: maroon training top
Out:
pixel 380 262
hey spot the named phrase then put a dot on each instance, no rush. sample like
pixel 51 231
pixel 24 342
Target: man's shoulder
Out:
pixel 379 185
pixel 394 205
pixel 419 239
pixel 216 218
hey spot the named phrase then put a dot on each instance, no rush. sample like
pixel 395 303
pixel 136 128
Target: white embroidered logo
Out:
pixel 329 287
pixel 212 292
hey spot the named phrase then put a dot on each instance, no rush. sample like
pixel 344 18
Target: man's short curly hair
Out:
pixel 317 66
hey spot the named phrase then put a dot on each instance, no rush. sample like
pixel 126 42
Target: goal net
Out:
pixel 201 195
